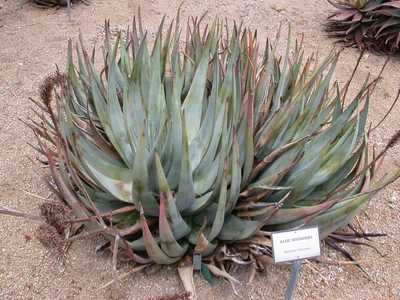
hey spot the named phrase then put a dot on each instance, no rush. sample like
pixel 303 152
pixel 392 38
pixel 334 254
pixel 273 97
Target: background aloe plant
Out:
pixel 367 24
pixel 54 3
pixel 206 149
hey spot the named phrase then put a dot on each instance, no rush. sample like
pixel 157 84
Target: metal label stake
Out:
pixel 294 275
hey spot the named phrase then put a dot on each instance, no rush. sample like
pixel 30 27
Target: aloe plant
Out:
pixel 367 24
pixel 205 149
pixel 53 3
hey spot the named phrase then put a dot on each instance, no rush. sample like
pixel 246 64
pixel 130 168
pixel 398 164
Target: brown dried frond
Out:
pixel 178 296
pixel 48 85
pixel 56 215
pixel 51 239
pixel 394 140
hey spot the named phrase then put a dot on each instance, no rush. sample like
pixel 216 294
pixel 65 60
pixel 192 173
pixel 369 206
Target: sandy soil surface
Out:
pixel 32 41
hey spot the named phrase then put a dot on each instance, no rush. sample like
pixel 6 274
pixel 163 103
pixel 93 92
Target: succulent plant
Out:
pixel 205 149
pixel 53 3
pixel 373 24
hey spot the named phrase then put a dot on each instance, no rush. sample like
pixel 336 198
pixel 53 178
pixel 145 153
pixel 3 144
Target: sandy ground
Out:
pixel 32 41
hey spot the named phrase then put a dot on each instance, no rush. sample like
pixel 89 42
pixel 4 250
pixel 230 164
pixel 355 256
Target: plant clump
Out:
pixel 204 150
pixel 367 24
pixel 55 3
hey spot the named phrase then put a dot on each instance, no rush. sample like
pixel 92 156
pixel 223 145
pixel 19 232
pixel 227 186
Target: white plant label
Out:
pixel 295 244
